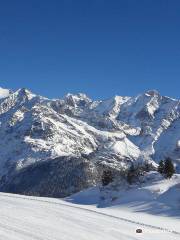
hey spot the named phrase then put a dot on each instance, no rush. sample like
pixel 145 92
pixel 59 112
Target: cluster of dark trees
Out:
pixel 107 177
pixel 166 168
pixel 135 172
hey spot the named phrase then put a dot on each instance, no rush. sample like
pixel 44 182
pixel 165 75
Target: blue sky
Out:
pixel 99 47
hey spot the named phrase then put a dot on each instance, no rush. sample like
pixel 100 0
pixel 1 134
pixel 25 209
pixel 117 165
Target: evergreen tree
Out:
pixel 161 167
pixel 169 169
pixel 107 177
pixel 131 174
pixel 166 168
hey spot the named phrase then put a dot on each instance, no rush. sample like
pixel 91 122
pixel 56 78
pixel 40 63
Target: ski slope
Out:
pixel 25 218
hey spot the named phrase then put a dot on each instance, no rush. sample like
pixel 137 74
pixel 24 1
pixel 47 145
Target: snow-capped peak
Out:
pixel 111 106
pixel 77 99
pixel 4 92
pixel 152 93
pixel 23 92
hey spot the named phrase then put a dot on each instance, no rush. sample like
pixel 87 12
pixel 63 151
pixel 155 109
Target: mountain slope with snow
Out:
pixel 36 131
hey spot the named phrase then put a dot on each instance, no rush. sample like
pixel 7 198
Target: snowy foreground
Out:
pixel 35 218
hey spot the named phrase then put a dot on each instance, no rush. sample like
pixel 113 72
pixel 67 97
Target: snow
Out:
pixel 154 195
pixel 33 218
pixel 168 140
pixel 178 144
pixel 124 148
pixel 111 106
pixel 4 93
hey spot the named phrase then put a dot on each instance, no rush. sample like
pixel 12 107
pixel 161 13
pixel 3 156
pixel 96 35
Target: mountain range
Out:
pixel 56 147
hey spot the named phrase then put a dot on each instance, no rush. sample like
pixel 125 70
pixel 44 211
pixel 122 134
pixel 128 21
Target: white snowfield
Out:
pixel 33 218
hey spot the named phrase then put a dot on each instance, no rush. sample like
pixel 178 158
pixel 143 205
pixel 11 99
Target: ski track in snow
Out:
pixel 26 232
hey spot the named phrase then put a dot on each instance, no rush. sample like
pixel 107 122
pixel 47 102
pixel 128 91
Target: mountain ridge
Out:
pixel 110 133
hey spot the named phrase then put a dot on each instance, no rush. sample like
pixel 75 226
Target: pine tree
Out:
pixel 169 169
pixel 161 167
pixel 107 177
pixel 131 174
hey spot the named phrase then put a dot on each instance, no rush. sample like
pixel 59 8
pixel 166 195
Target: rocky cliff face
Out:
pixel 38 133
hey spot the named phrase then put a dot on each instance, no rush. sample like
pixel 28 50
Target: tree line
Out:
pixel 165 167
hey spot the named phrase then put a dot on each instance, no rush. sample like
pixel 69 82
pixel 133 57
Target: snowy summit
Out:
pixel 4 93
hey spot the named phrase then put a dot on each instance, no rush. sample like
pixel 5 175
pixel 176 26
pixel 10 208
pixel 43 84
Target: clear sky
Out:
pixel 100 47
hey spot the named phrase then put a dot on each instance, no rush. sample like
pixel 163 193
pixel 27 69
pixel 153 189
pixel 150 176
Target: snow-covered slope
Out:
pixel 110 133
pixel 28 218
pixel 153 194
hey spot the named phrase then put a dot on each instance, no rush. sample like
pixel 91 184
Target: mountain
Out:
pixel 61 146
